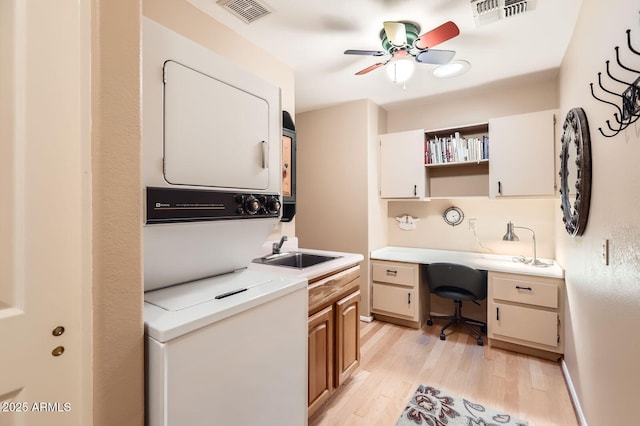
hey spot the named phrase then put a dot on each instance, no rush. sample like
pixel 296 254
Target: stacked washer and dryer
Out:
pixel 224 345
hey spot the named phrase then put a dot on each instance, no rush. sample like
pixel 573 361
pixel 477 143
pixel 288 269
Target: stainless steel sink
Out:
pixel 295 259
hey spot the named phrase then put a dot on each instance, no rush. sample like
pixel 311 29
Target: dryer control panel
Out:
pixel 171 205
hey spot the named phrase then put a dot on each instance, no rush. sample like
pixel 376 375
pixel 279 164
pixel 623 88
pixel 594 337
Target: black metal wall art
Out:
pixel 575 172
pixel 626 101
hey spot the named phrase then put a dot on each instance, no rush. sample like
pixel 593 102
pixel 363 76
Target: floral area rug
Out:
pixel 432 407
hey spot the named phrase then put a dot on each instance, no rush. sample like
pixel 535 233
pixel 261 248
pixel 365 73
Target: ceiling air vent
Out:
pixel 485 11
pixel 247 10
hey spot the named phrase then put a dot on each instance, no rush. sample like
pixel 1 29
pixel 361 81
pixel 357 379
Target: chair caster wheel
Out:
pixel 443 336
pixel 480 341
pixel 429 322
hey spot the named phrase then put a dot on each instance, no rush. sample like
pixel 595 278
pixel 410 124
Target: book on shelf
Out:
pixel 456 149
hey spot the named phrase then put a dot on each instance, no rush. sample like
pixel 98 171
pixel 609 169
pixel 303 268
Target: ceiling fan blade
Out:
pixel 438 35
pixel 434 56
pixel 365 52
pixel 371 68
pixel 396 33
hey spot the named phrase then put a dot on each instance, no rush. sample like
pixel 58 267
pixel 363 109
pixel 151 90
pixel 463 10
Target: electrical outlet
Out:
pixel 473 224
pixel 604 253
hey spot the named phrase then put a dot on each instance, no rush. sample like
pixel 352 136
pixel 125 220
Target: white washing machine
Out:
pixel 224 345
pixel 229 350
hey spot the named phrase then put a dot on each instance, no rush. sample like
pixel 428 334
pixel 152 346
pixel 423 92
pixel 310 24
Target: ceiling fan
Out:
pixel 402 40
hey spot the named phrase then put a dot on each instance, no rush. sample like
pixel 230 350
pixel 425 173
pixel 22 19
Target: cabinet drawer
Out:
pixel 394 300
pixel 523 323
pixel 525 291
pixel 395 273
pixel 332 288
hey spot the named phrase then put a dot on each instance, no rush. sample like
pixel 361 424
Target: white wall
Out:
pixel 491 224
pixel 332 165
pixel 337 165
pixel 535 92
pixel 603 302
pixel 118 330
pixel 378 208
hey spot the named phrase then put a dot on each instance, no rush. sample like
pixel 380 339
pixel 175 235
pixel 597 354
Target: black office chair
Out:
pixel 458 282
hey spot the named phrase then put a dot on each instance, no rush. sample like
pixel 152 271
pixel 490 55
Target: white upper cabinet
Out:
pixel 402 171
pixel 520 161
pixel 522 155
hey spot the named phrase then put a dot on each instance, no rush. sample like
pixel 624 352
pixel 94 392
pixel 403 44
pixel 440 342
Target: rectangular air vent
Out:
pixel 246 10
pixel 514 7
pixel 485 11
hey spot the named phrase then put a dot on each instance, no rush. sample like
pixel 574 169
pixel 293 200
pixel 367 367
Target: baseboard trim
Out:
pixel 573 394
pixel 366 319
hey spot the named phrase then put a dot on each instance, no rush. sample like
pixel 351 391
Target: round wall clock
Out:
pixel 453 216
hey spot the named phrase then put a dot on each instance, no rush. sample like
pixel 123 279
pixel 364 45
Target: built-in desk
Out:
pixel 489 262
pixel 524 307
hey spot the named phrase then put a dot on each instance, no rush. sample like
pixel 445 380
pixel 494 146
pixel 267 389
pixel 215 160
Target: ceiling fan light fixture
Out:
pixel 400 70
pixel 452 69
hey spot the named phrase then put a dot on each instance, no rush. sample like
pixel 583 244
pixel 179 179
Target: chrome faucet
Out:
pixel 278 245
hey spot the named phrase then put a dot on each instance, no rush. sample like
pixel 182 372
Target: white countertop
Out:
pixel 489 262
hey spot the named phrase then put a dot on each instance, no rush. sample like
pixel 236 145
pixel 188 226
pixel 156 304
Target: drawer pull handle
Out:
pixel 408 298
pixel 497 314
pixel 392 272
pixel 524 288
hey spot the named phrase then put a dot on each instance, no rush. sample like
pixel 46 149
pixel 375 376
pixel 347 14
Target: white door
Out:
pixel 44 215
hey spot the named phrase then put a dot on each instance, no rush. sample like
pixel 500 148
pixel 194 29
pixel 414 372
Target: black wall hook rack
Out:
pixel 626 102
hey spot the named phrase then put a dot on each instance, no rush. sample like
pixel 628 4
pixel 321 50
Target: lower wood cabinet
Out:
pixel 334 333
pixel 321 357
pixel 525 313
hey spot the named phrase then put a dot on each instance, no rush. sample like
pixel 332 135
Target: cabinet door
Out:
pixel 531 325
pixel 522 155
pixel 395 301
pixel 320 357
pixel 402 170
pixel 347 336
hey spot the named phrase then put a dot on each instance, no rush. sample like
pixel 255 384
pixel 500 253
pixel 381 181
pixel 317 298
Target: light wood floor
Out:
pixel 395 360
